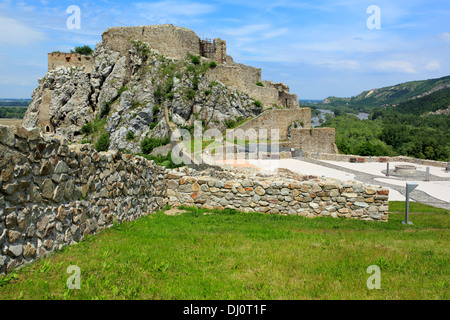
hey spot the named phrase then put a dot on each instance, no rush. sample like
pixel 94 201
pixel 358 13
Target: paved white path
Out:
pixel 371 173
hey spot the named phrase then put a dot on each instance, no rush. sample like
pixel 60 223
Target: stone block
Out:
pixel 15 251
pixel 7 135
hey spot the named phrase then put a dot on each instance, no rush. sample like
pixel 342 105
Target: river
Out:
pixel 315 121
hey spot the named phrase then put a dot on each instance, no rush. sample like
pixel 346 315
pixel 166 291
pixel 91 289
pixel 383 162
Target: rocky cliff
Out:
pixel 132 96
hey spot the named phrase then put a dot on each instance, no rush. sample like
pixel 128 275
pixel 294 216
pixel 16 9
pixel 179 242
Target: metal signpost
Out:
pixel 409 187
pixel 427 177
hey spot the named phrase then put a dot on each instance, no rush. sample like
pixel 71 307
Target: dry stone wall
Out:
pixel 277 194
pixel 320 140
pixel 53 194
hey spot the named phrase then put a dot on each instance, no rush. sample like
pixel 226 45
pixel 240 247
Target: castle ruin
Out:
pixel 281 108
pixel 178 42
pixel 59 59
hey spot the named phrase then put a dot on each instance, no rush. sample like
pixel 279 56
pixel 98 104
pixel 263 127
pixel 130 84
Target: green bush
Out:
pixel 165 161
pixel 122 90
pixel 230 123
pixel 106 108
pixel 212 64
pixel 190 94
pixel 258 104
pixel 85 50
pixel 260 84
pixel 148 144
pixel 103 142
pixel 195 82
pixel 130 135
pixel 87 128
pixel 141 48
pixel 195 60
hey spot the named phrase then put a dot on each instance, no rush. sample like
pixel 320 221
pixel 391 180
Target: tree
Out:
pixel 85 50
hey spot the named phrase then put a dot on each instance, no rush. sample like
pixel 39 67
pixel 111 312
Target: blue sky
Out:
pixel 319 48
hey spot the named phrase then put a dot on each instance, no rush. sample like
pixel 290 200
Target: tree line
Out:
pixel 391 133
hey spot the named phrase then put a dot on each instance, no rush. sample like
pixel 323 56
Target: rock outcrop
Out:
pixel 126 96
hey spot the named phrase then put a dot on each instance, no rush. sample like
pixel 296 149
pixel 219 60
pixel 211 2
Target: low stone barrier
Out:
pixel 53 195
pixel 277 194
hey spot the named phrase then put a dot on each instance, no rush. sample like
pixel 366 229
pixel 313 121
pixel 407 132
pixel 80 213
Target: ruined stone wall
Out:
pixel 320 140
pixel 285 99
pixel 70 60
pixel 278 195
pixel 244 79
pixel 53 195
pixel 277 119
pixel 235 75
pixel 171 41
pixel 220 50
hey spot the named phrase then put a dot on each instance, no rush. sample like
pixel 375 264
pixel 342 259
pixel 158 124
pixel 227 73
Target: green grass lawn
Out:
pixel 230 255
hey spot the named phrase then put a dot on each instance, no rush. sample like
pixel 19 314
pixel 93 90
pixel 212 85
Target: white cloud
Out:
pixel 446 36
pixel 253 32
pixel 171 11
pixel 341 64
pixel 15 32
pixel 246 30
pixel 433 65
pixel 397 66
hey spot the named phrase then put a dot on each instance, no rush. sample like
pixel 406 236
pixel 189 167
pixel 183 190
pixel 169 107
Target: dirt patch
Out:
pixel 174 212
pixel 11 122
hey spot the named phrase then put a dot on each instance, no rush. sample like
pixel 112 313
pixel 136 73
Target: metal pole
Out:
pixel 409 187
pixel 387 169
pixel 407 209
pixel 427 178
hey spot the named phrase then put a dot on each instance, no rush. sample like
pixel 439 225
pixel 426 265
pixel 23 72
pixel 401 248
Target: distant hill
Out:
pixel 436 101
pixel 392 95
pixel 14 102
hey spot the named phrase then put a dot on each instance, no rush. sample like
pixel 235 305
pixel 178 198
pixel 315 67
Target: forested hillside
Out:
pixel 436 101
pixel 389 96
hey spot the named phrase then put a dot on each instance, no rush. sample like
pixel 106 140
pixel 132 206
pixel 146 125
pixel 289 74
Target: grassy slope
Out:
pixel 248 256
